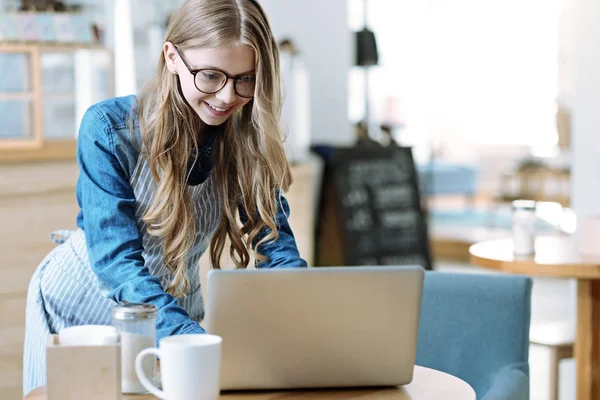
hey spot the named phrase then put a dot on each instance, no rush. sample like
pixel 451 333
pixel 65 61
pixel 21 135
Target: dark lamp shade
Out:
pixel 366 48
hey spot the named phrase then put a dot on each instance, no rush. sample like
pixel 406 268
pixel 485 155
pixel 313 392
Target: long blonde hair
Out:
pixel 251 164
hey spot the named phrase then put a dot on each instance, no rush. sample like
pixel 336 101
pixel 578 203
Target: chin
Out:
pixel 211 120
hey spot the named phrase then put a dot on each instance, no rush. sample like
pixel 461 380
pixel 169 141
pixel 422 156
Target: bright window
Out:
pixel 459 72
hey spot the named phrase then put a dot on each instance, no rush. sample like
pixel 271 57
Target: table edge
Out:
pixel 38 392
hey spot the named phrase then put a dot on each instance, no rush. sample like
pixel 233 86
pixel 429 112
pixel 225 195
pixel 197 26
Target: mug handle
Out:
pixel 139 371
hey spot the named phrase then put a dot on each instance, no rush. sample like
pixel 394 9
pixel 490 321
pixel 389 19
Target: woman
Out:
pixel 197 159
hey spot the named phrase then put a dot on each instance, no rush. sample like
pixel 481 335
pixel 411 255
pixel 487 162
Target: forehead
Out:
pixel 234 60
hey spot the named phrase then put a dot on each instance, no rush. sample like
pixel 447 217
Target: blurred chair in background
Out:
pixel 476 327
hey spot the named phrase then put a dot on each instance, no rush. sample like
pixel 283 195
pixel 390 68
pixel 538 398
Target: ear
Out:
pixel 170 55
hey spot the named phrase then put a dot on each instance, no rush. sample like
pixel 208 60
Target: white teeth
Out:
pixel 218 108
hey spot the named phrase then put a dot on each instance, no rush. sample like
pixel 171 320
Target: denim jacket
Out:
pixel 107 153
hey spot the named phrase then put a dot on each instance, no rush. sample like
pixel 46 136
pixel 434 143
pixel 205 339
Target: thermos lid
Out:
pixel 133 311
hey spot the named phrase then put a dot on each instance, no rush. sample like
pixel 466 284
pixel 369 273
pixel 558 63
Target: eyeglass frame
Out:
pixel 194 72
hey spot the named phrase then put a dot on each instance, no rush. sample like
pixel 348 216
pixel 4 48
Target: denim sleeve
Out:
pixel 283 252
pixel 114 241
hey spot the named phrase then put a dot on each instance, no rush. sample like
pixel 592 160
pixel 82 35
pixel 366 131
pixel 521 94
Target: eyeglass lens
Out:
pixel 211 81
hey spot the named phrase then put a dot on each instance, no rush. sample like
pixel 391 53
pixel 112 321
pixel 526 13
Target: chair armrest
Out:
pixel 510 383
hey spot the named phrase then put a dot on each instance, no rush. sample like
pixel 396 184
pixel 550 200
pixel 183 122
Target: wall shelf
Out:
pixel 44 91
pixel 16 95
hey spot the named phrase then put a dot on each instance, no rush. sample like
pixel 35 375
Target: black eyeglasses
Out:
pixel 210 80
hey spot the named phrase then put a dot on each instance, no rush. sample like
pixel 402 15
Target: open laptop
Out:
pixel 315 327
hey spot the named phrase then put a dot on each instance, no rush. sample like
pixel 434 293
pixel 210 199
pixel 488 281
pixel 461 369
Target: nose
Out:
pixel 227 94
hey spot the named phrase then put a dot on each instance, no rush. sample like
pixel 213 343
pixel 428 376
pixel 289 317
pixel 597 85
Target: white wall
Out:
pixel 320 30
pixel 586 108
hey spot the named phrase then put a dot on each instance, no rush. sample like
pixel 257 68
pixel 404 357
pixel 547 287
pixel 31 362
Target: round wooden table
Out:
pixel 558 256
pixel 427 384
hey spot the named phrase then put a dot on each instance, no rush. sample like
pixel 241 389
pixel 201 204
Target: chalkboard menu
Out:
pixel 379 215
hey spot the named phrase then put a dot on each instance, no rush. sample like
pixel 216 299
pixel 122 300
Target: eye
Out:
pixel 211 75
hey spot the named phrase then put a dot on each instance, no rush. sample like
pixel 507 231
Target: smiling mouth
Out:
pixel 219 109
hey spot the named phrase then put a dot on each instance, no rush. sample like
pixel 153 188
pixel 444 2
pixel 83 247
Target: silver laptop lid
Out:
pixel 315 327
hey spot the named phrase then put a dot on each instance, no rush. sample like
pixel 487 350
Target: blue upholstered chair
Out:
pixel 476 327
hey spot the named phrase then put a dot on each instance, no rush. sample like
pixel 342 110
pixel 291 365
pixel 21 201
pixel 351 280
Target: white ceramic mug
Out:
pixel 190 367
pixel 88 335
